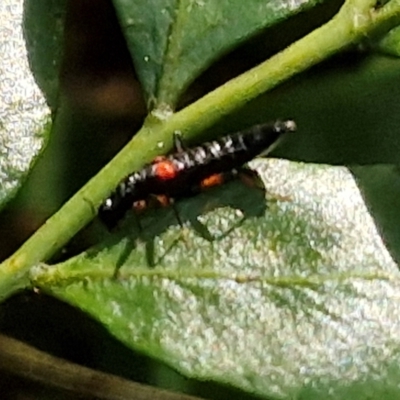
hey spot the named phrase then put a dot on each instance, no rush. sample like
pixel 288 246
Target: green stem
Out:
pixel 355 20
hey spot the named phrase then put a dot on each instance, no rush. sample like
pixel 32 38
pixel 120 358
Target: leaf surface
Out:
pixel 24 115
pixel 43 31
pixel 172 41
pixel 297 298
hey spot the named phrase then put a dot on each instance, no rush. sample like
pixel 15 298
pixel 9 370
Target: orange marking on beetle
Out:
pixel 164 169
pixel 153 201
pixel 212 180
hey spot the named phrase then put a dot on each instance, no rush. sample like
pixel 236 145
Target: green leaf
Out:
pixel 346 111
pixel 380 187
pixel 43 30
pixel 172 41
pixel 24 116
pixel 298 297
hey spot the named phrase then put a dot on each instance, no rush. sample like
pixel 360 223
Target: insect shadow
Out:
pixel 147 226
